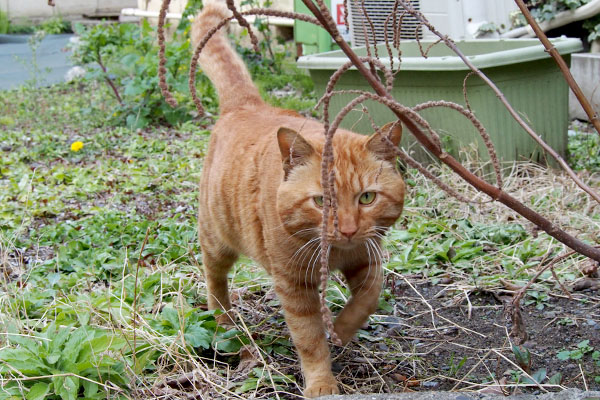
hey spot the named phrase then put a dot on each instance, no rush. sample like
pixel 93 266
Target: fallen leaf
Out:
pixel 510 286
pixel 590 269
pixel 499 388
pixel 587 283
pixel 249 358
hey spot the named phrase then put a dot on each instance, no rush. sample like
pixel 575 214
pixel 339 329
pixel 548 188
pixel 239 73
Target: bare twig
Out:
pixel 135 294
pixel 504 101
pixel 243 23
pixel 475 181
pixel 162 61
pixel 107 78
pixel 562 65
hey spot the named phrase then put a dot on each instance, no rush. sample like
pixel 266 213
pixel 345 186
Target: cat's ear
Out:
pixel 378 145
pixel 295 150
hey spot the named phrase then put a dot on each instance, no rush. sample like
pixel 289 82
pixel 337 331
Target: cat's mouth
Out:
pixel 345 243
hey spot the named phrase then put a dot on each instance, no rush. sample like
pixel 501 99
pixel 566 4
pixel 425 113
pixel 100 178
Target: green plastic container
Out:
pixel 523 71
pixel 312 38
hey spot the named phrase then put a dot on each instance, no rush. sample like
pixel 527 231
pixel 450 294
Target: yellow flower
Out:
pixel 76 146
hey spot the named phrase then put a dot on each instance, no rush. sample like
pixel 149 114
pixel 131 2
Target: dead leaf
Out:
pixel 510 286
pixel 249 358
pixel 498 389
pixel 587 283
pixel 590 269
pixel 518 332
pixel 403 380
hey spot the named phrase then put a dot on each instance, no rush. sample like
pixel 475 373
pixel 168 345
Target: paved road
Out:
pixel 571 394
pixel 16 60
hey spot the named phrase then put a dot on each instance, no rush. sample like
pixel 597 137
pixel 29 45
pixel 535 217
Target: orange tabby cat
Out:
pixel 261 195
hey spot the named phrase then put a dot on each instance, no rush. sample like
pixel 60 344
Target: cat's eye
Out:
pixel 367 198
pixel 318 200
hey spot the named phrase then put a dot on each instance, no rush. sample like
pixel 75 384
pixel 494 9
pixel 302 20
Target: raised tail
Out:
pixel 221 63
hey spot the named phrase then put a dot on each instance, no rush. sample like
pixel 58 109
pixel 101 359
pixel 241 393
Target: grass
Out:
pixel 101 294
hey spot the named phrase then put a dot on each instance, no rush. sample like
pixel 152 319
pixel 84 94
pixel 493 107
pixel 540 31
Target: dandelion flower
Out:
pixel 76 146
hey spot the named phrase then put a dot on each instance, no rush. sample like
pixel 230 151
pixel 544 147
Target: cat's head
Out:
pixel 369 188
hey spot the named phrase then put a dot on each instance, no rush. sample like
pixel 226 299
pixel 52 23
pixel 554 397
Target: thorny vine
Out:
pixel 409 116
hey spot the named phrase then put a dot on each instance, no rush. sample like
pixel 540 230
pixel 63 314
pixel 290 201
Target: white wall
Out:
pixel 35 9
pixel 177 6
pixel 459 18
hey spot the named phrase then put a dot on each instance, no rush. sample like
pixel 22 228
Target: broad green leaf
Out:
pixel 23 361
pixel 171 315
pixel 197 336
pixel 538 377
pixel 555 379
pixel 38 391
pixel 95 347
pixel 66 387
pixel 230 341
pixel 523 357
pixel 90 389
pixel 74 345
pixel 53 358
pixel 143 361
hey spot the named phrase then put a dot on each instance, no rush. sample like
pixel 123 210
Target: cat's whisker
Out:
pixel 305 252
pixel 378 263
pixel 301 252
pixel 366 243
pixel 311 264
pixel 304 247
pixel 377 246
pixel 306 230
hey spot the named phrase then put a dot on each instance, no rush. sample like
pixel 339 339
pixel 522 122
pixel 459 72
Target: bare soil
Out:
pixel 438 339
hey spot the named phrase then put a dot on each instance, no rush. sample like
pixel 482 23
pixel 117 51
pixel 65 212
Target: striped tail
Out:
pixel 221 63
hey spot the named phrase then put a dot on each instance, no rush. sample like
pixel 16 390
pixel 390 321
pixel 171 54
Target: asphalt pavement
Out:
pixel 17 60
pixel 570 394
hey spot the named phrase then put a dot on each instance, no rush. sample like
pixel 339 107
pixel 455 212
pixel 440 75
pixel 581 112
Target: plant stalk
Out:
pixel 478 183
pixel 564 68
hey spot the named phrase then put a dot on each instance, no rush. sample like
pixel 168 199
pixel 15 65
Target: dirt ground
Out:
pixel 451 341
pixel 438 338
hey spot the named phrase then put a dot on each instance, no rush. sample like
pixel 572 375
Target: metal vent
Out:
pixel 378 11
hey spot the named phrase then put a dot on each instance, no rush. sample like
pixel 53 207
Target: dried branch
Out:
pixel 257 11
pixel 504 101
pixel 408 116
pixel 562 65
pixel 513 309
pixel 244 24
pixel 162 61
pixel 477 124
pixel 446 158
pixel 107 78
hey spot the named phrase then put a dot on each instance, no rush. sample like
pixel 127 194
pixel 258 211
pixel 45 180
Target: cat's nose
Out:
pixel 347 225
pixel 349 231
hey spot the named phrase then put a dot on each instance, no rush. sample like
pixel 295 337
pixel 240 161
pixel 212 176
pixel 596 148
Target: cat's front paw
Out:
pixel 321 387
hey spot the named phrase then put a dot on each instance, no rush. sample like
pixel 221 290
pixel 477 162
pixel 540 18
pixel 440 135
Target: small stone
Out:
pixel 382 347
pixel 591 322
pixel 430 384
pixel 463 397
pixel 394 332
pixel 549 314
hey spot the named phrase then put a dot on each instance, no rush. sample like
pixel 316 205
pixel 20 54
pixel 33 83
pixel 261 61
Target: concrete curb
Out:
pixel 569 394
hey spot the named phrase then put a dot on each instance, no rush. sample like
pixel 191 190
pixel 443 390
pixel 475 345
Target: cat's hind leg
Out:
pixel 217 260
